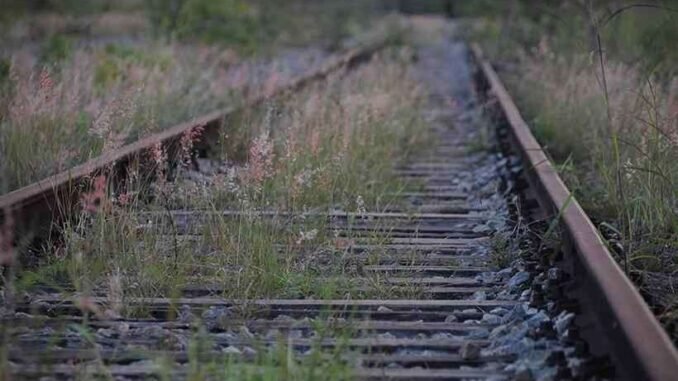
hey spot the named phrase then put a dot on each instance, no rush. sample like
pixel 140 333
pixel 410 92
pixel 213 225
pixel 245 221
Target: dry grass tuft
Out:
pixel 100 98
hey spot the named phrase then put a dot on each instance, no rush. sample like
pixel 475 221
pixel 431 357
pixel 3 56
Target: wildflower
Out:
pixel 124 199
pixel 307 236
pixel 46 82
pixel 159 157
pixel 187 142
pixel 260 165
pixel 360 204
pixel 114 118
pixel 92 201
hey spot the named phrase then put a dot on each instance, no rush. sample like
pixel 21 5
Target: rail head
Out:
pixel 653 355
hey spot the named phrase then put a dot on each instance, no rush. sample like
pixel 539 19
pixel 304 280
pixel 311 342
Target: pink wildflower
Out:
pixel 46 82
pixel 158 154
pixel 124 199
pixel 187 142
pixel 91 202
pixel 260 165
pixel 159 157
pixel 315 142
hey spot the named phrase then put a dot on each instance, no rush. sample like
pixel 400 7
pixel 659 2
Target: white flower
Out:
pixel 307 236
pixel 629 171
pixel 360 203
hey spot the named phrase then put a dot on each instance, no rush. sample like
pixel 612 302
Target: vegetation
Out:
pixel 597 81
pixel 328 148
pixel 78 81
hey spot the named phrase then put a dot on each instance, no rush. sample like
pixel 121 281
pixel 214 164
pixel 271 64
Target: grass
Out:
pixel 330 147
pixel 609 121
pixel 66 97
pixel 257 360
pixel 103 98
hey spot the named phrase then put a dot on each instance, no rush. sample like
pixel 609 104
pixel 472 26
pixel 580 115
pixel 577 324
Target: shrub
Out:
pixel 228 22
pixel 56 49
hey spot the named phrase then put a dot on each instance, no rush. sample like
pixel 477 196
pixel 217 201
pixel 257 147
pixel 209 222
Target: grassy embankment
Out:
pixel 79 79
pixel 600 91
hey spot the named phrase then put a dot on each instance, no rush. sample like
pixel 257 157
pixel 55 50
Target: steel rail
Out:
pixel 35 206
pixel 640 347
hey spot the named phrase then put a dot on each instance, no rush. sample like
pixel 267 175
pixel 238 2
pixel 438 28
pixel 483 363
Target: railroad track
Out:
pixel 455 311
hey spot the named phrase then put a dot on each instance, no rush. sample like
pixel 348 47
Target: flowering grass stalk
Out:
pixel 331 146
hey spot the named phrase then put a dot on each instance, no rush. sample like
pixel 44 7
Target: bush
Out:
pixel 56 49
pixel 229 22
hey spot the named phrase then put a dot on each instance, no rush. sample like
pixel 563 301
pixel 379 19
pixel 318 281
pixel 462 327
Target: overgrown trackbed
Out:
pixel 461 275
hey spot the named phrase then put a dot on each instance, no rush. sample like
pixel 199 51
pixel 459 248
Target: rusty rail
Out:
pixel 640 347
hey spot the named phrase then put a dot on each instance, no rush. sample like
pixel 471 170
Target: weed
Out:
pixel 501 255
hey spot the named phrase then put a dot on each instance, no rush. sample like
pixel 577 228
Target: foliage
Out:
pixel 229 22
pixel 641 36
pixel 56 49
pixel 250 26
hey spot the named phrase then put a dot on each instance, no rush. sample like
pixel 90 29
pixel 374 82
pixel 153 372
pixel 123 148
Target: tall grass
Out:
pixel 330 147
pixel 102 98
pixel 606 114
pixel 70 97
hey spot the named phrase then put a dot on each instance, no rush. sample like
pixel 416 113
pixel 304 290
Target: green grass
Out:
pixel 262 361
